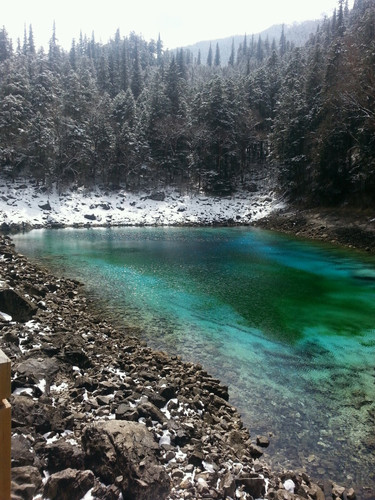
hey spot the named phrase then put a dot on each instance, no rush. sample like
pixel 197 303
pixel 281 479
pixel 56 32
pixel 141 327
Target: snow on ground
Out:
pixel 22 203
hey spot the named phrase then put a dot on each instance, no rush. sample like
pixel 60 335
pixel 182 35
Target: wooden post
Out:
pixel 5 427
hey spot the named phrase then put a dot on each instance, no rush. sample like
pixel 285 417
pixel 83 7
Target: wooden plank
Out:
pixel 4 376
pixel 5 457
pixel 5 427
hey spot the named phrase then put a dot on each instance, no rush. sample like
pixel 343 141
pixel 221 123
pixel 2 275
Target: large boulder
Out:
pixel 42 417
pixel 69 484
pixel 13 304
pixel 26 482
pixel 36 369
pixel 23 453
pixel 63 454
pixel 126 451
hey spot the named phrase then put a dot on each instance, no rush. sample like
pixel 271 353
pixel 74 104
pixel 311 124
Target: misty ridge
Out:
pixel 296 34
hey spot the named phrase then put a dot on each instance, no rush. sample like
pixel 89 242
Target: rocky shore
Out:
pixel 98 414
pixel 341 226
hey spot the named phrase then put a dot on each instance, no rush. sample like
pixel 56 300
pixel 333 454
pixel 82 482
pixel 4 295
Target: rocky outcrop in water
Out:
pixel 94 409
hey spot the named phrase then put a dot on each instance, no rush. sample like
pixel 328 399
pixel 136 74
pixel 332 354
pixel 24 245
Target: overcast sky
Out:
pixel 179 23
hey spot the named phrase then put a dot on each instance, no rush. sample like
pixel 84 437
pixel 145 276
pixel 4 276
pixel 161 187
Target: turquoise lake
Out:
pixel 288 325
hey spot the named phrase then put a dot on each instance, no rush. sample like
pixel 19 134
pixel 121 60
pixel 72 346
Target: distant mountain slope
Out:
pixel 298 33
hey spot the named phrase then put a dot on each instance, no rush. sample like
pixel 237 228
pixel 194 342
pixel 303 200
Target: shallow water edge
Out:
pixel 211 345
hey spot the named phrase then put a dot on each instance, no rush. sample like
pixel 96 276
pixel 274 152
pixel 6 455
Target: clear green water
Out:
pixel 288 325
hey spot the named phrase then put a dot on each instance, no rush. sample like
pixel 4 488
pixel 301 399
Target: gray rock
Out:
pixel 22 451
pixel 148 409
pixel 76 356
pixel 120 448
pixel 263 441
pixel 255 451
pixel 126 412
pixel 157 196
pixel 228 485
pixel 17 306
pixel 103 400
pixel 235 440
pixel 45 206
pixel 26 482
pixel 62 454
pixel 38 368
pixel 43 417
pixel 69 484
pixel 90 216
pixel 253 485
pixel 168 392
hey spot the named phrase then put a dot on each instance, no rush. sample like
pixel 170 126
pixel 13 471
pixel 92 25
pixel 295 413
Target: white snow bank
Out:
pixel 27 205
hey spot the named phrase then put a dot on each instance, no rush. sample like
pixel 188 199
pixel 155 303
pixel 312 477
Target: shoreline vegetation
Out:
pixel 166 427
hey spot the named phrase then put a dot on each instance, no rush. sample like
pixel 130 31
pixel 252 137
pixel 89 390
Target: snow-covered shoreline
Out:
pixel 26 205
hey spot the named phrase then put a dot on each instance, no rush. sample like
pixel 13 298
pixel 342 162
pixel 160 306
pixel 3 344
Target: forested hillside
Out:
pixel 129 113
pixel 296 34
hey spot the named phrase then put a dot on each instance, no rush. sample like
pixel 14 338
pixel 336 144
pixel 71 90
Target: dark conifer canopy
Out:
pixel 129 112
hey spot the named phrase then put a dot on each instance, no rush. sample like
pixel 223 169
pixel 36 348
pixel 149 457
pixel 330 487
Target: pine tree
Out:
pixel 181 64
pixel 172 87
pixel 124 67
pixel 340 25
pixel 159 51
pixel 73 55
pixel 231 57
pixel 260 53
pixel 217 56
pixel 136 80
pixel 31 44
pixel 346 9
pixel 267 47
pixel 290 129
pixel 209 57
pixel 54 50
pixel 245 45
pixel 282 43
pixel 24 46
pixel 220 122
pixel 5 45
pixel 102 71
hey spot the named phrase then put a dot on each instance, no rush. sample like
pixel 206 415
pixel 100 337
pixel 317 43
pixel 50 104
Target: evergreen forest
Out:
pixel 129 113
